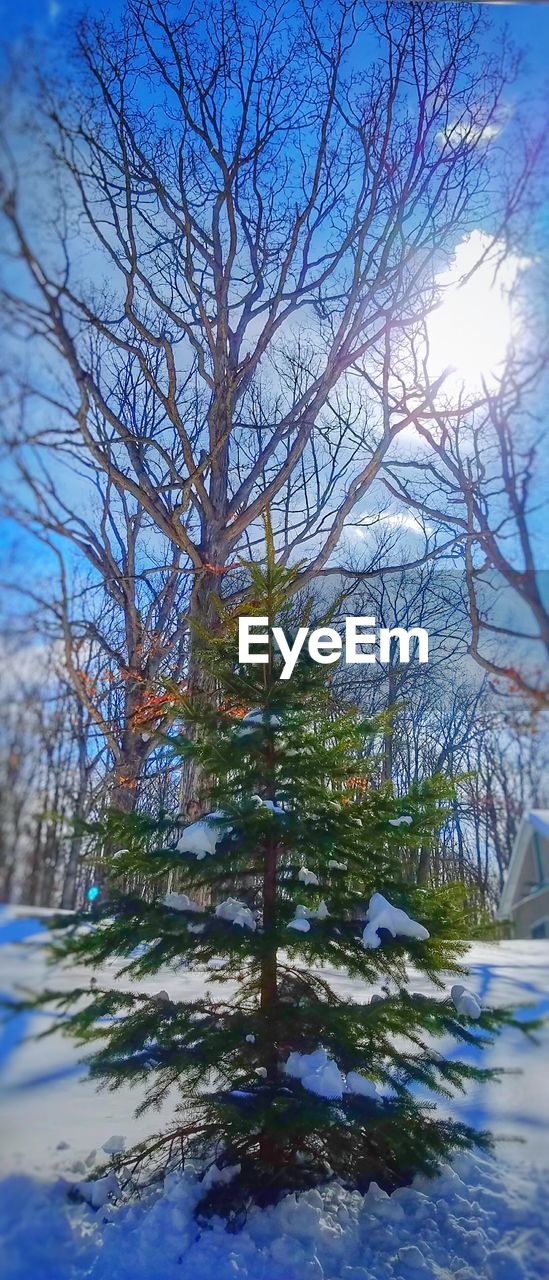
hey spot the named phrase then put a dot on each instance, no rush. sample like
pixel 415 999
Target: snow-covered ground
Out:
pixel 471 1223
pixel 483 1218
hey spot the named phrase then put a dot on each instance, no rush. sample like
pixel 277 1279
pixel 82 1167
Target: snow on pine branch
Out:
pixel 256 719
pixel 382 915
pixel 180 902
pixel 465 1001
pixel 236 912
pixel 303 915
pixel 321 1075
pixel 202 837
pixel 307 877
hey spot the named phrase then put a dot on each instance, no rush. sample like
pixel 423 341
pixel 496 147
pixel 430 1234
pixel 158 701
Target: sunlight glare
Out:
pixel 472 329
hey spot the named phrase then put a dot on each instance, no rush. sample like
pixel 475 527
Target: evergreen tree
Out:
pixel 283 1079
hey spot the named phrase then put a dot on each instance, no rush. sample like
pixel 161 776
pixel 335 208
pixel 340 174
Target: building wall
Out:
pixel 529 913
pixel 531 900
pixel 529 876
pixel 541 844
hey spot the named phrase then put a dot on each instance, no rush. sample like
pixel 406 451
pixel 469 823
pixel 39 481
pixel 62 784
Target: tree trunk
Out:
pixel 126 774
pixel 424 865
pixel 133 752
pixel 203 615
pixel 388 736
pixel 68 898
pixel 269 960
pixel 269 1148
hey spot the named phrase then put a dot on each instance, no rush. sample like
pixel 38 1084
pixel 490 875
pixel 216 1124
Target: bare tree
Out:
pixel 50 767
pixel 483 479
pixel 120 628
pixel 448 717
pixel 265 194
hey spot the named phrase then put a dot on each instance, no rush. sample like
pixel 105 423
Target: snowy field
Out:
pixel 484 1217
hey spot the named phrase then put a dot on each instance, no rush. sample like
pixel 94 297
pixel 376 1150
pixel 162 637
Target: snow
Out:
pixel 311 913
pixel 299 924
pixel 256 718
pixel 321 912
pixel 405 818
pixel 337 866
pixel 318 1073
pixel 271 805
pixel 357 1083
pixel 98 1190
pixel 307 877
pixel 115 1144
pixel 180 902
pixel 465 1001
pixel 481 1219
pixel 236 913
pixel 215 1177
pixel 475 1220
pixel 45 1094
pixel 202 837
pixel 382 915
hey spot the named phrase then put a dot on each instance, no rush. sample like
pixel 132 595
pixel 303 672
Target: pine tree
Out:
pixel 283 1079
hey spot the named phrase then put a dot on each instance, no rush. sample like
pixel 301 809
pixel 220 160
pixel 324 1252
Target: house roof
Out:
pixel 535 820
pixel 539 820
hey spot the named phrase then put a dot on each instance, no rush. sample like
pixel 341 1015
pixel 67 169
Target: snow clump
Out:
pixel 180 902
pixel 317 1072
pixel 256 719
pixel 357 1083
pixel 114 1144
pixel 98 1191
pixel 215 1177
pixel 466 1002
pixel 268 804
pixel 312 913
pixel 203 836
pixel 321 1075
pixel 236 912
pixel 307 877
pixel 382 915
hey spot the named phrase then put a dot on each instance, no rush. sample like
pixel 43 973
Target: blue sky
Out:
pixel 528 22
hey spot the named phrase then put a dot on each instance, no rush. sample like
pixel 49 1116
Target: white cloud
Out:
pixel 470 132
pixel 404 520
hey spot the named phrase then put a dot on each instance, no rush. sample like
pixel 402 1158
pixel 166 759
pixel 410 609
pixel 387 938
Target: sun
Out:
pixel 472 330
